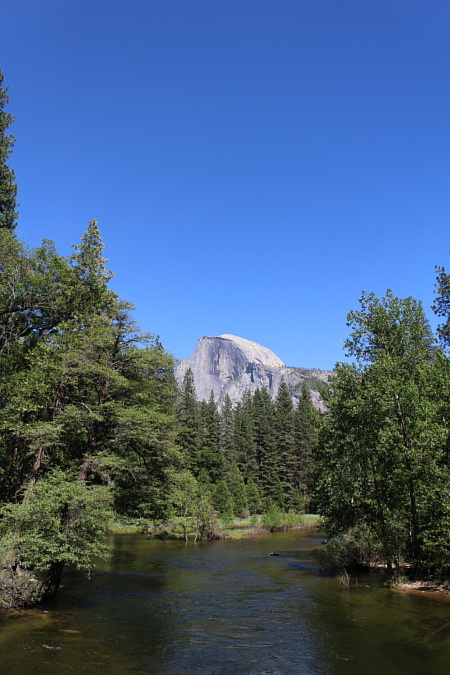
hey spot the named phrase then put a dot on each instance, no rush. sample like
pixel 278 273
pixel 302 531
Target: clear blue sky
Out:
pixel 253 164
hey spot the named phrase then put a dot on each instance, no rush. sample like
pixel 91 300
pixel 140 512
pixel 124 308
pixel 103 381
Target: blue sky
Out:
pixel 253 164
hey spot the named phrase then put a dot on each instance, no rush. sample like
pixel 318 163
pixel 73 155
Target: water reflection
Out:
pixel 226 607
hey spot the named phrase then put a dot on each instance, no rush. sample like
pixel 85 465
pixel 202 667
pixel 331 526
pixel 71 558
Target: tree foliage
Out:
pixel 381 467
pixel 83 391
pixel 441 305
pixel 259 449
pixel 59 521
pixel 8 187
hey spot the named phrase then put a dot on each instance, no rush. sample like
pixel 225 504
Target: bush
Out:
pixel 276 520
pixel 254 520
pixel 18 589
pixel 343 554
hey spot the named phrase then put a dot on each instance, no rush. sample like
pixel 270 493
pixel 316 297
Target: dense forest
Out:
pixel 93 426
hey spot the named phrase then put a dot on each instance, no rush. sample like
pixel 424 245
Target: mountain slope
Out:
pixel 228 364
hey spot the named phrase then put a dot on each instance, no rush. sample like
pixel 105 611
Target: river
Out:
pixel 226 607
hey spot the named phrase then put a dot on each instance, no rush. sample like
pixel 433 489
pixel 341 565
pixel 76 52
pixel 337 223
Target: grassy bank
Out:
pixel 234 529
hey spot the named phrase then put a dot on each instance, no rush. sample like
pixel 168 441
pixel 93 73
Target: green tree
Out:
pixel 253 497
pixel 95 393
pixel 226 431
pixel 306 424
pixel 236 487
pixel 82 389
pixel 59 521
pixel 441 306
pixel 223 501
pixel 211 457
pixel 284 441
pixel 381 465
pixel 189 436
pixel 88 293
pixel 264 434
pixel 205 517
pixel 185 496
pixel 244 440
pixel 8 187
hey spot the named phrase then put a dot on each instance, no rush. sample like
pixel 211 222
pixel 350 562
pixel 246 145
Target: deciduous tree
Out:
pixel 381 466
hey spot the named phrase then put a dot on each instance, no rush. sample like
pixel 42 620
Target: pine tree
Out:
pixel 226 440
pixel 264 430
pixel 236 486
pixel 86 395
pixel 284 446
pixel 244 437
pixel 8 188
pixel 306 423
pixel 253 497
pixel 441 306
pixel 211 456
pixel 223 501
pixel 90 293
pixel 189 436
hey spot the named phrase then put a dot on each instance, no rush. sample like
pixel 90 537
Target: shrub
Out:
pixel 276 520
pixel 344 553
pixel 18 589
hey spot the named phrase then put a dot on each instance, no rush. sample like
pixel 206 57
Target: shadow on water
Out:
pixel 226 607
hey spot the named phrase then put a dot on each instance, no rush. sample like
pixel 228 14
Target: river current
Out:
pixel 226 607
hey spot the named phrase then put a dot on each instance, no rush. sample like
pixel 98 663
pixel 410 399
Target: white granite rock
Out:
pixel 228 364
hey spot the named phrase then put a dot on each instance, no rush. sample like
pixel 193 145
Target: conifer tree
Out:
pixel 226 431
pixel 285 445
pixel 90 294
pixel 244 437
pixel 264 429
pixel 441 307
pixel 236 487
pixel 253 496
pixel 223 501
pixel 306 422
pixel 211 456
pixel 189 436
pixel 8 188
pixel 84 394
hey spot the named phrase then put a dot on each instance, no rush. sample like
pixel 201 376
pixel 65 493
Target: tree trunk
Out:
pixel 51 584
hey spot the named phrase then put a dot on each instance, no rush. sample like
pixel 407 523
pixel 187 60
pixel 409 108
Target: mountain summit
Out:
pixel 228 364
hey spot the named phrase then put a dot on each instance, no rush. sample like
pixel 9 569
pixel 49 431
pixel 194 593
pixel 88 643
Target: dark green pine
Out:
pixel 211 456
pixel 264 433
pixel 189 436
pixel 8 187
pixel 244 437
pixel 306 421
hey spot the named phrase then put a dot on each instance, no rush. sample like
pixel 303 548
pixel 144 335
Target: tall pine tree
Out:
pixel 8 187
pixel 211 456
pixel 306 423
pixel 285 445
pixel 189 436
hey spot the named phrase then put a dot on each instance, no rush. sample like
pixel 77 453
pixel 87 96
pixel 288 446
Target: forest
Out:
pixel 93 427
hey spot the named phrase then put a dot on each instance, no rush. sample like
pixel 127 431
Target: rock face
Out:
pixel 228 364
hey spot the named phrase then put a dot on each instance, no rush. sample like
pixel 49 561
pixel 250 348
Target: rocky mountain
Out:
pixel 228 364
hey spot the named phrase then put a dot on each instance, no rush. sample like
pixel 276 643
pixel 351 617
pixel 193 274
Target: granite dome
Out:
pixel 228 364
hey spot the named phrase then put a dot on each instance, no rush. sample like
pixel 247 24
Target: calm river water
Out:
pixel 226 607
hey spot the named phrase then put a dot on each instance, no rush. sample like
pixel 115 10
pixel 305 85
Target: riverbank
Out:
pixel 432 586
pixel 249 527
pixel 239 528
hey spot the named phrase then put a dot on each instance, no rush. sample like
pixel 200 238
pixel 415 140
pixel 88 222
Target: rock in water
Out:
pixel 228 364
